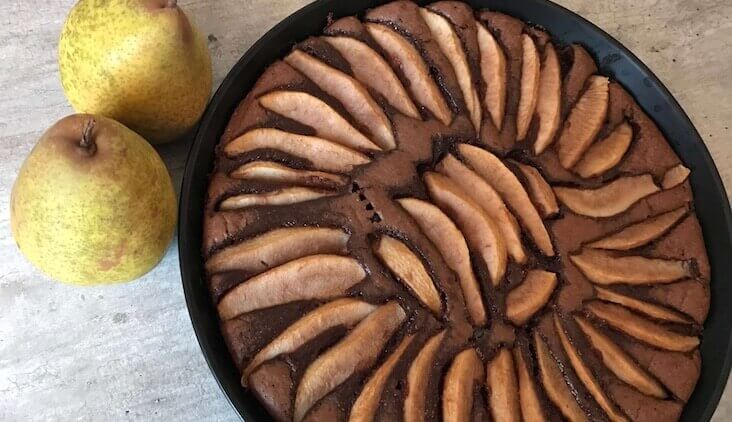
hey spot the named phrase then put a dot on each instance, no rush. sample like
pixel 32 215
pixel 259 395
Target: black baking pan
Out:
pixel 712 205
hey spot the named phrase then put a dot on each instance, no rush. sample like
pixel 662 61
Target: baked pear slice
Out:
pixel 312 277
pixel 451 46
pixel 356 352
pixel 540 192
pixel 279 197
pixel 372 70
pixel 269 171
pixel 409 269
pixel 553 381
pixel 619 362
pixel 345 312
pixel 494 73
pixel 530 73
pixel 640 234
pixel 585 375
pixel 584 121
pixel 354 96
pixel 530 296
pixel 653 311
pixel 367 403
pixel 503 388
pixel 490 168
pixel 491 202
pixel 605 268
pixel 465 371
pixel 606 153
pixel 549 103
pixel 625 321
pixel 610 199
pixel 415 70
pixel 314 112
pixel 276 247
pixel 675 176
pixel 531 408
pixel 418 377
pixel 448 240
pixel 482 234
pixel 322 154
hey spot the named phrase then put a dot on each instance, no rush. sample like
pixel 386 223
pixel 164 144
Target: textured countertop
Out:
pixel 128 352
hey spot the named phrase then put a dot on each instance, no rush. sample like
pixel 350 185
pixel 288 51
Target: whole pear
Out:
pixel 93 203
pixel 140 62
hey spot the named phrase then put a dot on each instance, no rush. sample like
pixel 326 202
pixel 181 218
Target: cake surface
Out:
pixel 440 213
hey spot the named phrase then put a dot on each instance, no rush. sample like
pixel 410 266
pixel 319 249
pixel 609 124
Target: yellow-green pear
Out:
pixel 93 203
pixel 140 62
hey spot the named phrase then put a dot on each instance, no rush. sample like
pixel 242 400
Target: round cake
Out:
pixel 440 213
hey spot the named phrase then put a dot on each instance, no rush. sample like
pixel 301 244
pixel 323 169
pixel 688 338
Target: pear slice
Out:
pixel 604 268
pixel 268 171
pixel 356 352
pixel 312 277
pixel 284 196
pixel 418 377
pixel 549 104
pixel 540 192
pixel 493 71
pixel 446 237
pixel 354 96
pixel 457 393
pixel 531 408
pixel 675 176
pixel 345 312
pixel 584 122
pixel 503 387
pixel 642 233
pixel 619 363
pixel 642 329
pixel 606 153
pixel 585 375
pixel 322 154
pixel 410 270
pixel 530 296
pixel 314 112
pixel 490 168
pixel 481 232
pixel 653 311
pixel 489 200
pixel 277 247
pixel 610 199
pixel 367 403
pixel 451 46
pixel 372 70
pixel 554 385
pixel 415 69
pixel 530 73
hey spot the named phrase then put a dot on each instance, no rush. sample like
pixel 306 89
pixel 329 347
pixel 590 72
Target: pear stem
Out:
pixel 172 3
pixel 87 142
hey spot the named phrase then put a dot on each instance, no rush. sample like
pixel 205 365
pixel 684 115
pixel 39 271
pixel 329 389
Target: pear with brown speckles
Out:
pixel 93 203
pixel 141 62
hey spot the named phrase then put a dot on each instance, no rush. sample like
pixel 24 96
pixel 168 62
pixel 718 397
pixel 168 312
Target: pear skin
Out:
pixel 140 62
pixel 93 203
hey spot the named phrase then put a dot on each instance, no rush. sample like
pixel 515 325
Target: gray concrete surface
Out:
pixel 127 352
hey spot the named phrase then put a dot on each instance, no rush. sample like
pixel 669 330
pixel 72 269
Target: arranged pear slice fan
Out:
pixel 436 213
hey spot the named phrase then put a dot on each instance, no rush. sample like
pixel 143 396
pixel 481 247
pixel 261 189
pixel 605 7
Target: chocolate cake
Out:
pixel 442 213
